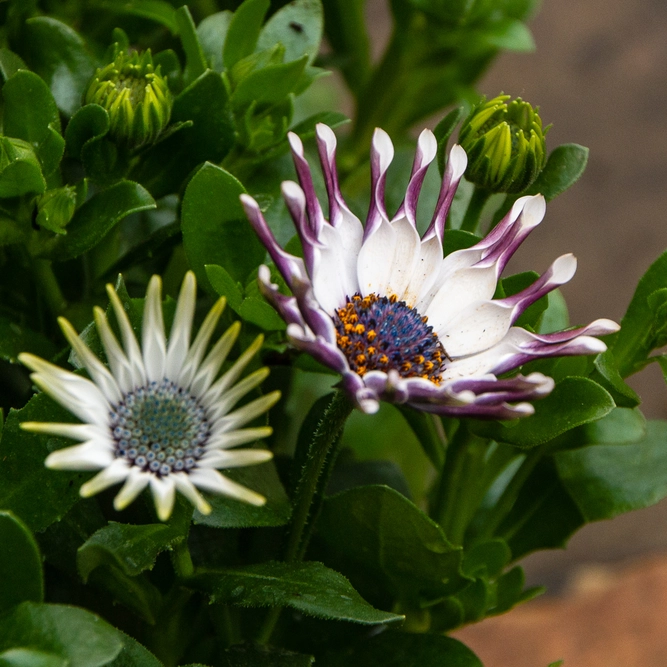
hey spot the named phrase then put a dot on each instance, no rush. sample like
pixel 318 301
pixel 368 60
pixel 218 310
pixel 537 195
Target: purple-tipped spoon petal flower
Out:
pixel 381 306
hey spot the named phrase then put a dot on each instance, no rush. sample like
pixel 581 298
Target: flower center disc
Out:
pixel 382 333
pixel 160 428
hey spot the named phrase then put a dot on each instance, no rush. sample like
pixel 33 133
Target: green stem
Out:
pixel 182 560
pixel 310 489
pixel 471 220
pixel 509 496
pixel 48 286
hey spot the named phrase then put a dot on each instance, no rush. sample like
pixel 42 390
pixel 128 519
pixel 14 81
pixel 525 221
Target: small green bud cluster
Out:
pixel 136 97
pixel 505 144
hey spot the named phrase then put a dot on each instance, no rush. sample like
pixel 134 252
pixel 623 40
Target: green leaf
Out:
pixel 564 166
pixel 573 402
pixel 22 173
pixel 231 513
pixel 212 32
pixel 89 123
pixel 619 426
pixel 298 27
pixel 269 85
pixel 29 107
pixel 80 638
pixel 215 228
pixel 306 128
pixel 260 313
pixel 131 548
pixel 243 31
pixel 398 649
pixel 157 10
pixel 510 591
pixel 99 215
pixel 10 63
pixel 20 564
pixel 210 136
pixel 607 374
pixel 59 55
pixel 255 655
pixel 28 489
pixel 486 559
pixel 637 338
pixel 225 285
pixel 25 657
pixel 511 35
pixel 308 587
pixel 392 542
pixel 134 654
pixel 15 339
pixel 514 284
pixel 607 480
pixel 457 239
pixel 194 55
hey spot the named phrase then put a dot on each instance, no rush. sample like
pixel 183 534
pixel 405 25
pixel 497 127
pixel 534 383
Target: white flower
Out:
pixel 381 306
pixel 157 416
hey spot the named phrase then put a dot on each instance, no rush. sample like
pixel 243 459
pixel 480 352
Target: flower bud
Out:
pixel 136 97
pixel 505 144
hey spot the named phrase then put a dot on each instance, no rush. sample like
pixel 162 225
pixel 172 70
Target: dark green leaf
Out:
pixel 212 32
pixel 254 655
pixel 509 34
pixel 443 130
pixel 215 227
pixel 15 339
pixel 634 341
pixel 457 239
pixel 28 489
pixel 308 587
pixel 393 541
pixel 609 377
pixel 156 10
pixel 564 166
pixel 225 285
pixel 399 649
pixel 607 480
pixel 243 31
pixel 103 211
pixel 210 136
pixel 59 56
pixel 298 27
pixel 22 174
pixel 619 426
pixel 87 124
pixel 26 657
pixel 574 401
pixel 261 314
pixel 230 513
pixel 10 63
pixel 194 55
pixel 134 655
pixel 486 559
pixel 270 84
pixel 20 564
pixel 79 637
pixel 510 591
pixel 30 113
pixel 306 128
pixel 132 548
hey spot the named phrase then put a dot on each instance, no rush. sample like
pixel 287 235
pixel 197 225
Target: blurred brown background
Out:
pixel 600 76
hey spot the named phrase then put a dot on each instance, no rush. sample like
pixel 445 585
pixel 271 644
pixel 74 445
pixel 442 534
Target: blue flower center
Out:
pixel 160 428
pixel 382 333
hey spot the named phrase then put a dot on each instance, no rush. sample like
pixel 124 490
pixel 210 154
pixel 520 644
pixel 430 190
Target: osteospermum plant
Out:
pixel 315 420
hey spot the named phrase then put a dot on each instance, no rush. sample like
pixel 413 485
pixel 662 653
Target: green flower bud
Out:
pixel 135 95
pixel 55 208
pixel 505 144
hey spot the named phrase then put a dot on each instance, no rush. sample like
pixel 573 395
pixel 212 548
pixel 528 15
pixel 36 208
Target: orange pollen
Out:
pixel 371 336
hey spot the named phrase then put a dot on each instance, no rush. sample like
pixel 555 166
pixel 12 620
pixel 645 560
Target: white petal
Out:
pixel 425 273
pixel 405 260
pixel 79 432
pixel 79 395
pixel 164 495
pixel 209 479
pixel 130 345
pixel 374 265
pixel 120 365
pixel 229 398
pixel 154 344
pixel 220 458
pixel 238 437
pixel 249 411
pixel 196 352
pixel 181 329
pixel 187 488
pixel 91 455
pixel 98 372
pixel 229 378
pixel 216 357
pixel 116 472
pixel 136 482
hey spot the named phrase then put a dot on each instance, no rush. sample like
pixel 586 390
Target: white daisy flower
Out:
pixel 381 306
pixel 159 415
